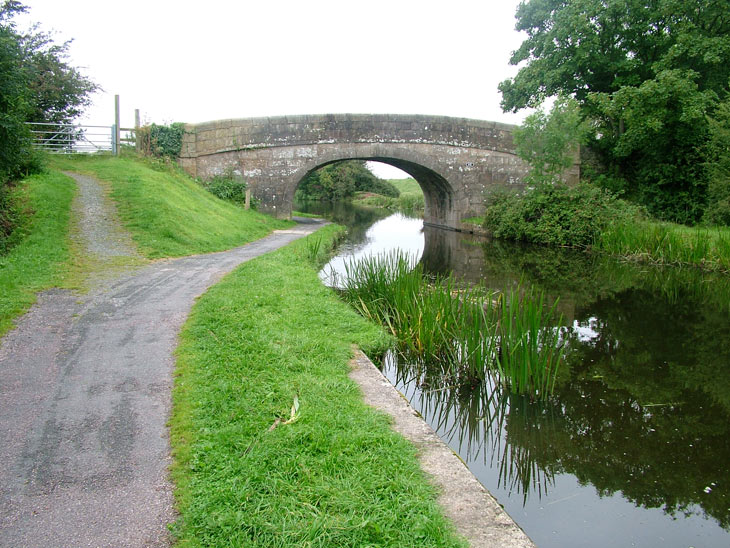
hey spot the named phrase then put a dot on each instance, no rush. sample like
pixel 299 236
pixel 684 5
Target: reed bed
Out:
pixel 467 334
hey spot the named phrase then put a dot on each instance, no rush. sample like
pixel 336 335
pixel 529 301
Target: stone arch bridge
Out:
pixel 453 159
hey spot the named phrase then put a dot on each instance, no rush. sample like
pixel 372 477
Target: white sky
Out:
pixel 193 61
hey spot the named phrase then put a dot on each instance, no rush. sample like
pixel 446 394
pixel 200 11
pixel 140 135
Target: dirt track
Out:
pixel 85 395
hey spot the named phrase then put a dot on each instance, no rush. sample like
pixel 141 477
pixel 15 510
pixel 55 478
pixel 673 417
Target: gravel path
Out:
pixel 85 395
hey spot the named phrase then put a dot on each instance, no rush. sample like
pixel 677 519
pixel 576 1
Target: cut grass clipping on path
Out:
pixel 39 260
pixel 169 214
pixel 272 443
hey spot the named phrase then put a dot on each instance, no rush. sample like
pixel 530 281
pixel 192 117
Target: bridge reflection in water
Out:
pixel 634 447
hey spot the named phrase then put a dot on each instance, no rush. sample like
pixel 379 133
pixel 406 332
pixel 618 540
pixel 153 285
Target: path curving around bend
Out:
pixel 85 384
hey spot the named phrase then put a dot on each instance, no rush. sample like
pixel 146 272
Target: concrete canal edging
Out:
pixel 477 516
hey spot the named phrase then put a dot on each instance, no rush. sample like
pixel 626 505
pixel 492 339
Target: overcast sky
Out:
pixel 194 61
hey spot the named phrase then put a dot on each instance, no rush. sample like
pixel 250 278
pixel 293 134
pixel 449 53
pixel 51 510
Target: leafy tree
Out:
pixel 340 181
pixel 549 142
pixel 15 98
pixel 718 208
pixel 36 85
pixel 59 92
pixel 646 73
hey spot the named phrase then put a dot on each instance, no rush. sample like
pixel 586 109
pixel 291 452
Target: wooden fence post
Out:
pixel 117 132
pixel 136 130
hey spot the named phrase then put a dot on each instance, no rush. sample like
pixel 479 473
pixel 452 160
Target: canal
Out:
pixel 633 448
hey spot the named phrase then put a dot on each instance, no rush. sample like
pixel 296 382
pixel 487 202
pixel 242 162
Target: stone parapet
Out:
pixel 250 133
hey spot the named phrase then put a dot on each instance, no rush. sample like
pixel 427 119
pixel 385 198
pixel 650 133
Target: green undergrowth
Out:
pixel 39 258
pixel 272 443
pixel 587 217
pixel 168 213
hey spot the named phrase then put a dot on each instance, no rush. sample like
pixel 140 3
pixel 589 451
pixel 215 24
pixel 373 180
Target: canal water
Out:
pixel 633 449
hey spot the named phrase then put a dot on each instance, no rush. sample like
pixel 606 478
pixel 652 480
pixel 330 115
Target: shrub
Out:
pixel 555 214
pixel 160 140
pixel 228 186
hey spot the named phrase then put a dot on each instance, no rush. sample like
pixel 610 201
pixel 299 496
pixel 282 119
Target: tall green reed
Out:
pixel 468 334
pixel 529 350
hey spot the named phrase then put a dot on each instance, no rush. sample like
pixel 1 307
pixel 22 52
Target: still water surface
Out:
pixel 634 447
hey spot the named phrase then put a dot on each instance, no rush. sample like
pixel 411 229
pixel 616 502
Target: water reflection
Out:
pixel 376 240
pixel 634 447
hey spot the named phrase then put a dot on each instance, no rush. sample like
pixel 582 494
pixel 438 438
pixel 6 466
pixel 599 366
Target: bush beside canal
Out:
pixel 586 216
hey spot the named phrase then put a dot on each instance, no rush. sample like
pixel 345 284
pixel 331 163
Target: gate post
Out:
pixel 115 143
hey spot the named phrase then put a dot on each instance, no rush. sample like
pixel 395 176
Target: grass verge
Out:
pixel 39 260
pixel 167 213
pixel 272 443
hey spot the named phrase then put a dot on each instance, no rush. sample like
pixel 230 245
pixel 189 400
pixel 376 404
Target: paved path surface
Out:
pixel 85 395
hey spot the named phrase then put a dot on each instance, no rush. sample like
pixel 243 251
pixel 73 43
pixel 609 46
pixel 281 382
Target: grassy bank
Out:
pixel 40 258
pixel 167 213
pixel 668 243
pixel 410 199
pixel 273 445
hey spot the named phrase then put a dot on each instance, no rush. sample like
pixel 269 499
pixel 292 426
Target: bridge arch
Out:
pixel 439 194
pixel 455 160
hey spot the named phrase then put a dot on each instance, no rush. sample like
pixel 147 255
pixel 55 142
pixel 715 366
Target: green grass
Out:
pixel 251 468
pixel 167 213
pixel 306 215
pixel 40 259
pixel 407 186
pixel 410 199
pixel 668 243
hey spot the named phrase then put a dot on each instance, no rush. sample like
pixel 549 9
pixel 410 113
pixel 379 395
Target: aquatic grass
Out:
pixel 468 334
pixel 314 246
pixel 530 351
pixel 511 432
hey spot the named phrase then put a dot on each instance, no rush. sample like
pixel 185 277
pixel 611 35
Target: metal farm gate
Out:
pixel 73 139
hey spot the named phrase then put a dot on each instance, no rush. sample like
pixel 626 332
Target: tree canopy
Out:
pixel 647 74
pixel 37 84
pixel 340 181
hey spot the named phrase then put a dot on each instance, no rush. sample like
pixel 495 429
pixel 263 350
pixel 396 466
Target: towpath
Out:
pixel 85 385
